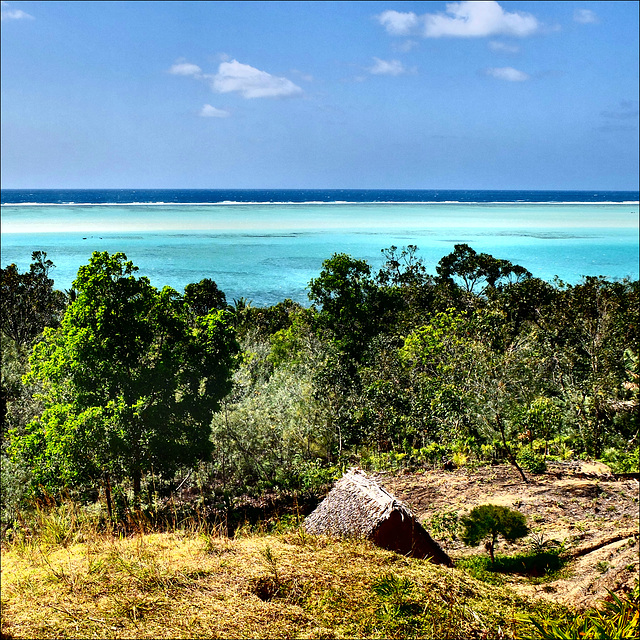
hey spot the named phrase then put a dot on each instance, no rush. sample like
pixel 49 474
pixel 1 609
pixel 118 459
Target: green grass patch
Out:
pixel 543 566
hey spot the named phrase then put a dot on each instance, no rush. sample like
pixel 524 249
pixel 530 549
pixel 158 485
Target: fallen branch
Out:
pixel 577 553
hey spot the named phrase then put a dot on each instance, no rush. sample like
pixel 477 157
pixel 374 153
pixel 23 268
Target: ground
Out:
pixel 582 505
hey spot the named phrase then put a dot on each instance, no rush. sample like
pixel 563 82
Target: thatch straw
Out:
pixel 354 507
pixel 359 507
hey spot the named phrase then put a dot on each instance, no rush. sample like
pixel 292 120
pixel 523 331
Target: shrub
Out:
pixel 622 461
pixel 490 521
pixel 531 460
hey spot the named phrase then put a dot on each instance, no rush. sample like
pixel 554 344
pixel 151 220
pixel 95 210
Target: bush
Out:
pixel 622 461
pixel 490 521
pixel 14 487
pixel 531 460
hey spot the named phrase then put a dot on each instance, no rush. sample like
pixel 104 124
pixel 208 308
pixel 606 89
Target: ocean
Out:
pixel 265 245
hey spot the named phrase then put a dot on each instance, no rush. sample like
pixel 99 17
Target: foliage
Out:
pixel 531 461
pixel 478 270
pixel 616 619
pixel 14 480
pixel 344 291
pixel 130 380
pixel 272 430
pixel 490 521
pixel 538 565
pixel 445 524
pixel 622 461
pixel 204 297
pixel 28 304
pixel 478 363
pixel 28 301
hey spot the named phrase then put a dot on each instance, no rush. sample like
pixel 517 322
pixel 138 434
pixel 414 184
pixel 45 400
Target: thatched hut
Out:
pixel 358 506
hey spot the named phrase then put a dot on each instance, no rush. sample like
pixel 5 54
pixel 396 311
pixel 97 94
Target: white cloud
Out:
pixel 208 111
pixel 585 16
pixel 6 13
pixel 478 18
pixel 185 69
pixel 397 23
pixel 503 47
pixel 387 68
pixel 250 82
pixel 507 73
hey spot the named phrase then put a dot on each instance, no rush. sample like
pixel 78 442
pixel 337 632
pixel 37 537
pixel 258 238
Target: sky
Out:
pixel 405 95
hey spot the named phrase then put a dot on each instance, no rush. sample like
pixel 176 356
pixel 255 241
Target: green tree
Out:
pixel 480 273
pixel 490 521
pixel 345 292
pixel 582 340
pixel 28 304
pixel 203 297
pixel 28 301
pixel 130 381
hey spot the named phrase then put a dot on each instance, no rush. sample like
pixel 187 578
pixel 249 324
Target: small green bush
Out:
pixel 490 521
pixel 622 461
pixel 530 460
pixel 445 524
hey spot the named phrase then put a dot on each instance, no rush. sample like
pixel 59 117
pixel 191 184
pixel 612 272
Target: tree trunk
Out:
pixel 512 458
pixel 137 481
pixel 107 493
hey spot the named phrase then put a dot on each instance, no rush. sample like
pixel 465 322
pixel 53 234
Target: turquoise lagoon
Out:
pixel 269 252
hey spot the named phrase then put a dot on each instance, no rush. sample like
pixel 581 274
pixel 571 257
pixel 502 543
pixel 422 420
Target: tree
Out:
pixel 203 297
pixel 462 384
pixel 583 338
pixel 490 521
pixel 345 290
pixel 479 272
pixel 28 304
pixel 130 381
pixel 28 301
pixel 405 290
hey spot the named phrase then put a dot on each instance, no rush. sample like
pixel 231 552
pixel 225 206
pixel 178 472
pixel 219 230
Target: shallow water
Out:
pixel 268 252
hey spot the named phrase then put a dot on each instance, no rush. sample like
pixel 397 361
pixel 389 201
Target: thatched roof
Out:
pixel 355 506
pixel 358 506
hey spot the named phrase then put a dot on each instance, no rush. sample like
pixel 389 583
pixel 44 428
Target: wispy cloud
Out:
pixel 7 13
pixel 507 73
pixel 585 16
pixel 405 46
pixel 503 47
pixel 208 111
pixel 250 82
pixel 461 20
pixel 235 77
pixel 185 69
pixel 388 68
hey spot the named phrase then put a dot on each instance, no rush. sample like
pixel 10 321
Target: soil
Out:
pixel 583 506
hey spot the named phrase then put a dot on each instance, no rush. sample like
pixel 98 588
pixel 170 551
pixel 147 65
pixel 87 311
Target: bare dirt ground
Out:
pixel 579 504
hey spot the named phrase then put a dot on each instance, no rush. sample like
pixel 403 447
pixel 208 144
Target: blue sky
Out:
pixel 431 95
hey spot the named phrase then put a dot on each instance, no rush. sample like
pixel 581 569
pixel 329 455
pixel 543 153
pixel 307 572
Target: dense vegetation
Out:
pixel 119 390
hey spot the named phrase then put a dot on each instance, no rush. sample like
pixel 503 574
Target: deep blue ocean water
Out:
pixel 125 196
pixel 265 245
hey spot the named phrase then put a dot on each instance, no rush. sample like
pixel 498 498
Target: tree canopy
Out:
pixel 130 380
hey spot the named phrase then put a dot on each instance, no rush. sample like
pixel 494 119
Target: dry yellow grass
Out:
pixel 193 585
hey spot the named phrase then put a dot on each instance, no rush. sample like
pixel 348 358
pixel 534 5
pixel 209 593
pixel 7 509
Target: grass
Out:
pixel 539 566
pixel 199 584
